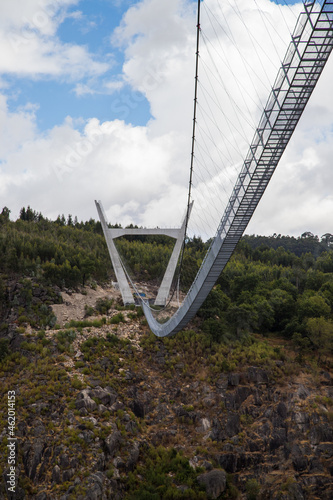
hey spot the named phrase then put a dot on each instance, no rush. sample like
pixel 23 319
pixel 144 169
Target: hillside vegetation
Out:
pixel 237 406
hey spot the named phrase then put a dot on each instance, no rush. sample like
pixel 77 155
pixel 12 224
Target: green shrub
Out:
pixel 118 318
pixel 4 348
pixel 103 305
pixel 252 489
pixel 89 311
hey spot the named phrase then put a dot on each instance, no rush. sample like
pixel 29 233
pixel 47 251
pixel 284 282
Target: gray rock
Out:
pixel 301 418
pixel 315 465
pixel 278 439
pixel 214 482
pixel 216 431
pixel 118 405
pixel 222 383
pixel 42 496
pixel 68 474
pixel 56 475
pixel 134 457
pixel 100 462
pixel 241 395
pixel 325 450
pixel 228 461
pixel 257 375
pixel 64 461
pixel 321 433
pixel 326 378
pixel 282 410
pixel 85 401
pixel 95 489
pixel 106 396
pixel 299 459
pixel 112 443
pixel 131 427
pixel 207 465
pixel 232 426
pixel 32 457
pixel 205 425
pixel 119 463
pixel 302 392
pixel 233 379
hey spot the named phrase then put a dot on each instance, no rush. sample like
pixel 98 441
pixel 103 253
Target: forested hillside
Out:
pixel 239 405
pixel 272 284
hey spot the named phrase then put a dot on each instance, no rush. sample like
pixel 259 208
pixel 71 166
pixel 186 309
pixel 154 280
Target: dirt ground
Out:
pixel 73 304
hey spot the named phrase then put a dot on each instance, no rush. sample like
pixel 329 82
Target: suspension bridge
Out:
pixel 308 51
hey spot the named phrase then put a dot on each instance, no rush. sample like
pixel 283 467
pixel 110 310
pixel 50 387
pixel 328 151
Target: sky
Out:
pixel 96 102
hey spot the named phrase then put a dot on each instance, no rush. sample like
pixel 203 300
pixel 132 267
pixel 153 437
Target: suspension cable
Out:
pixel 193 136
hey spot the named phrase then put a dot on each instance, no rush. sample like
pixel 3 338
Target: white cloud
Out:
pixel 15 128
pixel 30 48
pixel 43 16
pixel 141 173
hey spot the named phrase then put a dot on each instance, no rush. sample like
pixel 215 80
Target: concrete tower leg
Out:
pixel 124 287
pixel 164 290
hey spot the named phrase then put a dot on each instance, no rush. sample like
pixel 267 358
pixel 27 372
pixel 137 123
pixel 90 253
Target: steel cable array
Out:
pixel 307 54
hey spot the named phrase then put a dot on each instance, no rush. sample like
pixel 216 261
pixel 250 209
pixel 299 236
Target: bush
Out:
pixel 4 348
pixel 118 318
pixel 252 489
pixel 103 305
pixel 89 311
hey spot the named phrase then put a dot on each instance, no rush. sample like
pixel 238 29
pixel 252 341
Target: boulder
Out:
pixel 302 392
pixel 232 426
pixel 257 375
pixel 106 396
pixel 56 475
pixel 214 482
pixel 282 410
pixel 32 457
pixel 85 401
pixel 228 461
pixel 299 459
pixel 112 442
pixel 233 379
pixel 134 457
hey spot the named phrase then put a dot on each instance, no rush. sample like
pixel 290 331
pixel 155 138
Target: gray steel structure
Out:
pixel 308 52
pixel 112 233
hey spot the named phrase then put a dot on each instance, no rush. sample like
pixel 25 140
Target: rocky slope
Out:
pixel 104 410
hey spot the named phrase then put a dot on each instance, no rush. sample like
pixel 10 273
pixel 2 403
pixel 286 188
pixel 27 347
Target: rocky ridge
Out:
pixel 97 404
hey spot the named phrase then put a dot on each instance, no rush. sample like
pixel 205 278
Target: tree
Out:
pixel 5 213
pixel 313 306
pixel 309 235
pixel 283 305
pixel 23 214
pixel 31 215
pixel 327 238
pixel 216 302
pixel 302 344
pixel 87 267
pixel 264 313
pixel 320 332
pixel 240 318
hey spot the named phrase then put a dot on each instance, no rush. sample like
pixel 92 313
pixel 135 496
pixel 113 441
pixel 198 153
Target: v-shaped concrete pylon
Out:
pixel 110 234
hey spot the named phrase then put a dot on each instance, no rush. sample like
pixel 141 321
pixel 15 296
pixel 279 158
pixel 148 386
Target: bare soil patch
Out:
pixel 74 303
